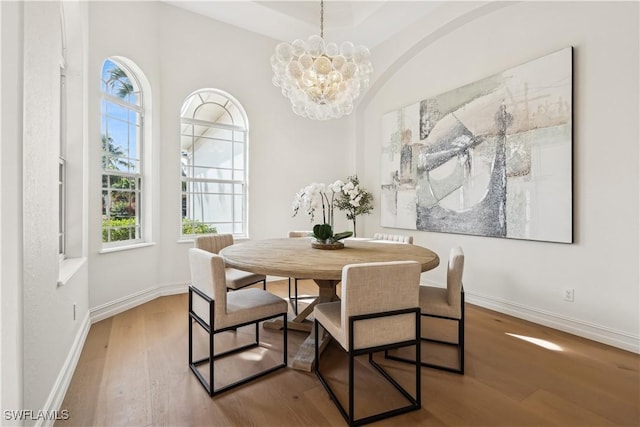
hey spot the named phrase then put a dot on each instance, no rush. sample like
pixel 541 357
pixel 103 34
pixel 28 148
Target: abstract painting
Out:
pixel 491 158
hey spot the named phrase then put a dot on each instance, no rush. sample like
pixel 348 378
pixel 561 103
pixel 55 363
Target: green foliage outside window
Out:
pixel 192 226
pixel 121 229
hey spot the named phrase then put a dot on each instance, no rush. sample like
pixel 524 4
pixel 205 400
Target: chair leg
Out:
pixel 285 340
pixel 349 414
pixel 292 301
pixel 459 345
pixel 352 410
pixel 211 351
pixel 461 338
pixel 296 291
pixel 209 387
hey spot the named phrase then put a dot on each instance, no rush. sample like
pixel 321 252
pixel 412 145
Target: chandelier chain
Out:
pixel 322 18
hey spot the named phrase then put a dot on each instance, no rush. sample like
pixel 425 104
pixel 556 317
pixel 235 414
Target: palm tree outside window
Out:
pixel 121 143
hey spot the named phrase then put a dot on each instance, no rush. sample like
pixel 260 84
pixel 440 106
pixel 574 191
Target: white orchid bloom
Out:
pixel 348 187
pixel 336 187
pixel 355 202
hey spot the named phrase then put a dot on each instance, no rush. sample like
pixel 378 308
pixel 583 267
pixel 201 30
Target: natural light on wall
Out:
pixel 538 341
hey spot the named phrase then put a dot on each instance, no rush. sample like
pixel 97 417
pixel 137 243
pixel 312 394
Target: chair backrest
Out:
pixel 300 233
pixel 208 275
pixel 454 276
pixel 378 287
pixel 393 238
pixel 214 242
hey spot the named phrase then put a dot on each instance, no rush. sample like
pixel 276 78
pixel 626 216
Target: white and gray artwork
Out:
pixel 491 158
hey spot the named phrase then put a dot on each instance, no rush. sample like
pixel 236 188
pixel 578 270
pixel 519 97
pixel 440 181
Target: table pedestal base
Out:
pixel 305 358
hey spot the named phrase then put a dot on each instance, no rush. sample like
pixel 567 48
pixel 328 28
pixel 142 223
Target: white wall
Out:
pixel 39 331
pixel 11 390
pixel 462 43
pixel 51 325
pixel 180 52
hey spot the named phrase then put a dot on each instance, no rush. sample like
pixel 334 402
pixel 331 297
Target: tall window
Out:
pixel 62 174
pixel 213 144
pixel 121 127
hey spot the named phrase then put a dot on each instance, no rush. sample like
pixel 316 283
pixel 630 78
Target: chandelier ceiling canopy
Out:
pixel 321 79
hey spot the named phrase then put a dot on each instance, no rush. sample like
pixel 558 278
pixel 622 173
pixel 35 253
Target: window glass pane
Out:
pixel 224 228
pixel 238 208
pixel 217 208
pixel 214 153
pixel 133 165
pixel 115 111
pixel 198 130
pixel 218 134
pixel 210 155
pixel 209 187
pixel 239 136
pixel 238 156
pixel 120 125
pixel 210 173
pixel 134 131
pixel 105 203
pixel 211 112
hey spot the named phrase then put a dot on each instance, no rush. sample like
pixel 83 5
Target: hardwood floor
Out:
pixel 133 371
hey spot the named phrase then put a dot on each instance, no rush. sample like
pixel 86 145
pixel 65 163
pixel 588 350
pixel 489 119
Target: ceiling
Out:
pixel 362 22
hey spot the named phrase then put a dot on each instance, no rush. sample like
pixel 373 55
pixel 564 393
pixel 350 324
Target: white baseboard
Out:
pixel 125 303
pixel 60 387
pixel 580 328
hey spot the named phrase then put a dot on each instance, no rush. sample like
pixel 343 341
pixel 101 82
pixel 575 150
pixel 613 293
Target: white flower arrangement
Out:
pixel 349 197
pixel 355 200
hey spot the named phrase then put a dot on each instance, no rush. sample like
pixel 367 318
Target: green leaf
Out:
pixel 322 231
pixel 342 235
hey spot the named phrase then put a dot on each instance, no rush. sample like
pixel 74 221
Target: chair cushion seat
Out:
pixel 433 300
pixel 237 279
pixel 246 305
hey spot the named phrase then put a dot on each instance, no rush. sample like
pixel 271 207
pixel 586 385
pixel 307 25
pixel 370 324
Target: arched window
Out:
pixel 213 148
pixel 122 116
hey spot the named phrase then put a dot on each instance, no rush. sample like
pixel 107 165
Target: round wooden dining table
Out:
pixel 294 257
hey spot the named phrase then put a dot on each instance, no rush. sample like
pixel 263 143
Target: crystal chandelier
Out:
pixel 321 79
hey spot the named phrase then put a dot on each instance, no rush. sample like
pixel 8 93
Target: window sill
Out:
pixel 125 248
pixel 68 268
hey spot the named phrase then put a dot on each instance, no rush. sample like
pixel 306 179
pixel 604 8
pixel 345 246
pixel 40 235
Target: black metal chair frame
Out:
pixel 211 331
pixel 459 344
pixel 295 305
pixel 349 416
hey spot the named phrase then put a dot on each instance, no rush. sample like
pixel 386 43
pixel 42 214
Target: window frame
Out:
pixel 239 185
pixel 138 177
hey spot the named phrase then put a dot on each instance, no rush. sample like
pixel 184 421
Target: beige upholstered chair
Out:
pixel 216 310
pixel 378 311
pixel 446 303
pixel 398 238
pixel 236 279
pixel 296 234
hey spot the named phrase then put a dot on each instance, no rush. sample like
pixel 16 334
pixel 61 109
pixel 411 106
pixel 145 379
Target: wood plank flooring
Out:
pixel 133 371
